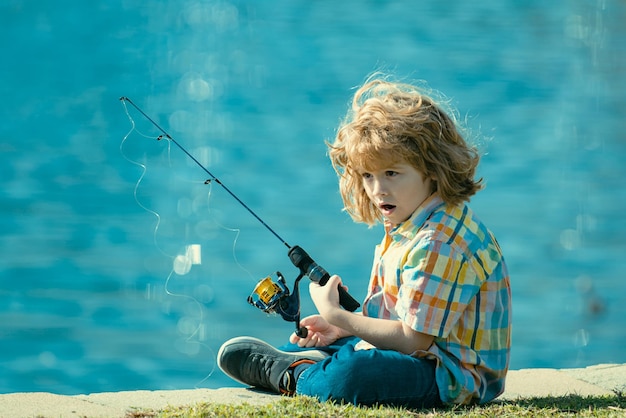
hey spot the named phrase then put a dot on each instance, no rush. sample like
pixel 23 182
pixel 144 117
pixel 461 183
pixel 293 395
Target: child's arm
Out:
pixel 382 333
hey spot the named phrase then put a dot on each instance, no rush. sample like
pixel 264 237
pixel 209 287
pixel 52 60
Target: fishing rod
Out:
pixel 206 170
pixel 271 296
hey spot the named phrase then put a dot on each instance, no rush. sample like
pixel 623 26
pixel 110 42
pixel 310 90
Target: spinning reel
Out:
pixel 273 296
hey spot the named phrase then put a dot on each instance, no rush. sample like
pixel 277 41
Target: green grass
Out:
pixel 566 406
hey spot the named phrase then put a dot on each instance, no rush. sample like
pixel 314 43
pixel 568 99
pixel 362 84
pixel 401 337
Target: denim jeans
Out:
pixel 369 377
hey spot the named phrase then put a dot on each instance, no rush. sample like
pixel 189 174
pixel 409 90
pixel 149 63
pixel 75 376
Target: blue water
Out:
pixel 253 89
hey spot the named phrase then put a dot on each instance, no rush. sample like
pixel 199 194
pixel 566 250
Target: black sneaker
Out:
pixel 254 362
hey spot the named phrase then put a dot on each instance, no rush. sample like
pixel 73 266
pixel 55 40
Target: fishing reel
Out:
pixel 273 296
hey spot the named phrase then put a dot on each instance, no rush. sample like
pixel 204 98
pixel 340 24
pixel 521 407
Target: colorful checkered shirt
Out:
pixel 442 273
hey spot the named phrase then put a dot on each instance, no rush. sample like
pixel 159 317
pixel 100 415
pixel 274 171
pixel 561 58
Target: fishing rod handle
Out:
pixel 317 274
pixel 346 300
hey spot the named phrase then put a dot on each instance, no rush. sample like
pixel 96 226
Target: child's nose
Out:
pixel 379 188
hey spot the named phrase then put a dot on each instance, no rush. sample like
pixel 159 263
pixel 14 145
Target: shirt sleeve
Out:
pixel 437 284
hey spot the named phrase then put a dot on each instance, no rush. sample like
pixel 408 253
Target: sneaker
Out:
pixel 254 362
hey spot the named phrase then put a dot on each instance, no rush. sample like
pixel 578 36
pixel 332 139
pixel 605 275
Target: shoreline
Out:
pixel 598 380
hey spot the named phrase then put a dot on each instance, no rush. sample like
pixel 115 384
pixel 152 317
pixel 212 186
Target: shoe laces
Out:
pixel 259 368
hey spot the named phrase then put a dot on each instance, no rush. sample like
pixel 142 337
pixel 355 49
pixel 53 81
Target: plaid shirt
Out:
pixel 442 273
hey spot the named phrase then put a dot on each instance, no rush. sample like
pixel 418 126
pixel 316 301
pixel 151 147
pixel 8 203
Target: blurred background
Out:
pixel 122 270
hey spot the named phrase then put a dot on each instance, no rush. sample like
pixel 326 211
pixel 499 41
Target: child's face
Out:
pixel 397 191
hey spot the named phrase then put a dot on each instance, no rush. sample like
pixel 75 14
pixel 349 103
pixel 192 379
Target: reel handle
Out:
pixel 316 273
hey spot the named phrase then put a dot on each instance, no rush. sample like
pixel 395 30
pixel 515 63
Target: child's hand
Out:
pixel 326 298
pixel 320 334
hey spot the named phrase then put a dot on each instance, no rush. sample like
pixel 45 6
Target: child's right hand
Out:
pixel 320 334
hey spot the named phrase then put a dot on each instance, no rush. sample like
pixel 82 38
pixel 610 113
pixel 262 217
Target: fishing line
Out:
pixel 144 170
pixel 195 333
pixel 192 333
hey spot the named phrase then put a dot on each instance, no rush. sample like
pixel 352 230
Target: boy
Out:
pixel 436 322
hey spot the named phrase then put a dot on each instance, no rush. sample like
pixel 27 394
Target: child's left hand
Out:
pixel 320 332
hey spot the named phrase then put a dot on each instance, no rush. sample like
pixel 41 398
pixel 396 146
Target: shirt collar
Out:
pixel 409 227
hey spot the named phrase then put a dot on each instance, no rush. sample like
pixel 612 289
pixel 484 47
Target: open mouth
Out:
pixel 387 207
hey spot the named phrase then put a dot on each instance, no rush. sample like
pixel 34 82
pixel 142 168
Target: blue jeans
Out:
pixel 369 377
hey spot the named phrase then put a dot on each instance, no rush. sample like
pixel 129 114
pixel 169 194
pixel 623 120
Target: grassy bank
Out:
pixel 567 406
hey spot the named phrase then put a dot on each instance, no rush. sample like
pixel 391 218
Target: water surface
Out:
pixel 253 89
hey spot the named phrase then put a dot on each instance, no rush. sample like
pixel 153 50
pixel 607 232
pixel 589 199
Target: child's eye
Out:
pixel 391 173
pixel 366 175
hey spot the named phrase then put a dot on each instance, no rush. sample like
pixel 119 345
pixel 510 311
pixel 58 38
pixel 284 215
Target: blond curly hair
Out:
pixel 391 123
